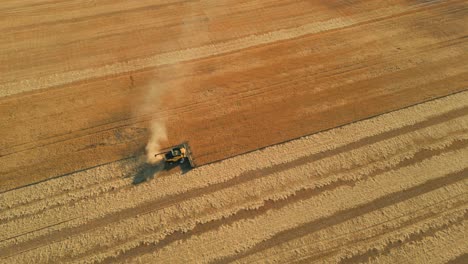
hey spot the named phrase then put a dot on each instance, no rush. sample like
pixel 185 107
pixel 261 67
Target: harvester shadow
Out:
pixel 148 171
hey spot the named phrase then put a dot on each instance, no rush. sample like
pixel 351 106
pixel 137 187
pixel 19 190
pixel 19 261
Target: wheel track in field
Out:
pixel 454 205
pixel 203 51
pixel 428 216
pixel 367 66
pixel 413 237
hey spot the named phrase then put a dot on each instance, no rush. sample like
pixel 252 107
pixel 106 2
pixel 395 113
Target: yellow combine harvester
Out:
pixel 178 154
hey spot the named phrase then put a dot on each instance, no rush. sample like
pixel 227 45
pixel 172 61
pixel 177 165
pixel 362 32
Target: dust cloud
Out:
pixel 158 134
pixel 157 90
pixel 150 103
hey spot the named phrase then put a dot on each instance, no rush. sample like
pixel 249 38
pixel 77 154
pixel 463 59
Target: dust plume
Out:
pixel 158 134
pixel 159 88
pixel 174 80
pixel 152 102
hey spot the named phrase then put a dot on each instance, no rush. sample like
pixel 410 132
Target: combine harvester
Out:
pixel 178 154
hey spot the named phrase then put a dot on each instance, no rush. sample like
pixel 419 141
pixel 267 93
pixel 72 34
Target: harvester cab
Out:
pixel 178 154
pixel 175 155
